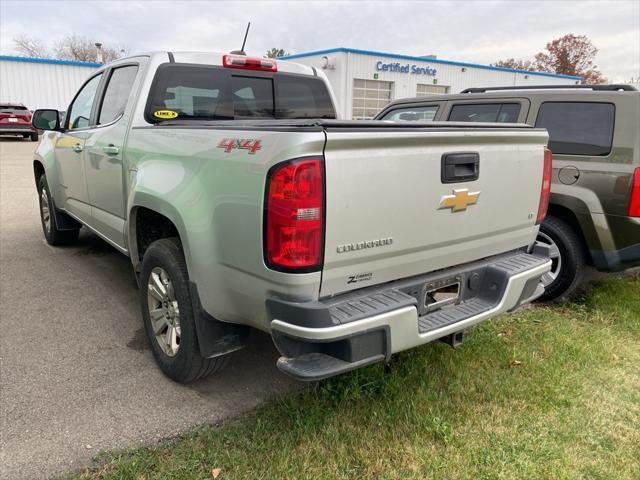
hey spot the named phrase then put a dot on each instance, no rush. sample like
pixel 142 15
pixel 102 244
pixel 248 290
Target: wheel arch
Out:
pixel 150 219
pixel 38 170
pixel 584 229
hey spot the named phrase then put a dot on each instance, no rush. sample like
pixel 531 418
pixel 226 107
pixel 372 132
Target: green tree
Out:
pixel 276 53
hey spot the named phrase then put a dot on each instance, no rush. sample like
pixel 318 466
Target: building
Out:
pixel 365 81
pixel 42 82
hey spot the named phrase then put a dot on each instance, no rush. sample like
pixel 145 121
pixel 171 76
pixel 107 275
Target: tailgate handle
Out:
pixel 460 167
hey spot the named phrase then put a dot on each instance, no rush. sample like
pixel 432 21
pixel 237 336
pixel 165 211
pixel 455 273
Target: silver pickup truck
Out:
pixel 242 202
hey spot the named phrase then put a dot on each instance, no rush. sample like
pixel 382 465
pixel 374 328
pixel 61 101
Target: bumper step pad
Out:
pixel 317 366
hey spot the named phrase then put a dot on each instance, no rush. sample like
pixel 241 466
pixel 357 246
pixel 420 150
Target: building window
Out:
pixel 424 89
pixel 369 97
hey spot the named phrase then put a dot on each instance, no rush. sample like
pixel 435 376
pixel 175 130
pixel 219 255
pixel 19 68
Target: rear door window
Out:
pixel 412 114
pixel 485 112
pixel 578 128
pixel 117 93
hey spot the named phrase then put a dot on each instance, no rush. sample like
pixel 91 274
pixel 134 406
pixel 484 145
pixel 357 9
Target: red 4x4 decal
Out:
pixel 251 144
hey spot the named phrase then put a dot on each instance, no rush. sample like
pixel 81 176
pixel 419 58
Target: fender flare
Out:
pixel 156 204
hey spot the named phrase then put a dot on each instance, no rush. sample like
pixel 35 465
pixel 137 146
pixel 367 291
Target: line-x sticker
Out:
pixel 250 144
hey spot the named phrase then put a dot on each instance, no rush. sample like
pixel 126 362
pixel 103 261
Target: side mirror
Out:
pixel 45 119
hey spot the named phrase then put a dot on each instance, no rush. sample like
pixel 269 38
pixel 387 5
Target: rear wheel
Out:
pixel 34 137
pixel 52 234
pixel 168 315
pixel 568 258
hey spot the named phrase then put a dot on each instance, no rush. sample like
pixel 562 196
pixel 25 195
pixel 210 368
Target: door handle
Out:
pixel 460 167
pixel 110 149
pixel 77 148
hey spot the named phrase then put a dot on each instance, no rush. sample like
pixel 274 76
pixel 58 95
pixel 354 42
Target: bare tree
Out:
pixel 31 47
pixel 82 49
pixel 515 63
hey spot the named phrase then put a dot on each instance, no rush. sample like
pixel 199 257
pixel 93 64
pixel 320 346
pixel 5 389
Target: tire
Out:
pixel 177 355
pixel 52 234
pixel 34 137
pixel 568 256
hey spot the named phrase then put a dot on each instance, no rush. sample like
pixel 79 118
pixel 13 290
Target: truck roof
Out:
pixel 564 91
pixel 215 58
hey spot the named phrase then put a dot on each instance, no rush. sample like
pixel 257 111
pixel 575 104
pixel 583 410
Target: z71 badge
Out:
pixel 250 144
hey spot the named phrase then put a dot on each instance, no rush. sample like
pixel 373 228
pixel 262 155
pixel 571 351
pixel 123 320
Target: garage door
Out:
pixel 369 96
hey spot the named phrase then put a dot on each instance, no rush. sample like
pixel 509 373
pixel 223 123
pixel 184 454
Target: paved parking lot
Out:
pixel 76 375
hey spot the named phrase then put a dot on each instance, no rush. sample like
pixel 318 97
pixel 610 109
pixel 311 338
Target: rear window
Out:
pixel 202 92
pixel 412 114
pixel 578 128
pixel 13 108
pixel 485 112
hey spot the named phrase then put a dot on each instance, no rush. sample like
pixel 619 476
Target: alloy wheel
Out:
pixel 164 312
pixel 44 210
pixel 556 259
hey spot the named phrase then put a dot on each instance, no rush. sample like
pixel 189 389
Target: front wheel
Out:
pixel 34 136
pixel 168 315
pixel 567 255
pixel 52 234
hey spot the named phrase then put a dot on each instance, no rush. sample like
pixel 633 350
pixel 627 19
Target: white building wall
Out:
pixel 39 84
pixel 343 67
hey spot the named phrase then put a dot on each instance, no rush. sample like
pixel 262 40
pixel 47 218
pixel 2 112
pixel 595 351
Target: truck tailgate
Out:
pixel 389 215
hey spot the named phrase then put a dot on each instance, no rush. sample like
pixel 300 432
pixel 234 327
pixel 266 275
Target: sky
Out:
pixel 470 31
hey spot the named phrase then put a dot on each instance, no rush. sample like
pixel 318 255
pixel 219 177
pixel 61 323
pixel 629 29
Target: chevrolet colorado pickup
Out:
pixel 242 202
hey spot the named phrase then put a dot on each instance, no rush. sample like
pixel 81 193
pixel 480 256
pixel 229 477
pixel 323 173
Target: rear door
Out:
pixel 393 211
pixel 104 152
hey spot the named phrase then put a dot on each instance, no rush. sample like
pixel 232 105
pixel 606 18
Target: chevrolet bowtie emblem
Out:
pixel 460 200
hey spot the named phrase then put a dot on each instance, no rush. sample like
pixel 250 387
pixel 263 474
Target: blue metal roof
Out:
pixel 425 59
pixel 52 61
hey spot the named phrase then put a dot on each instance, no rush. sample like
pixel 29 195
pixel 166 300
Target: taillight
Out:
pixel 634 203
pixel 294 215
pixel 545 190
pixel 249 63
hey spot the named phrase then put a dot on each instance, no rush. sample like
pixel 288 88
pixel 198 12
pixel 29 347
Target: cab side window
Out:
pixel 485 112
pixel 80 112
pixel 412 114
pixel 117 93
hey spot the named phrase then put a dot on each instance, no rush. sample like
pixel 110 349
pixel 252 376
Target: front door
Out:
pixel 69 150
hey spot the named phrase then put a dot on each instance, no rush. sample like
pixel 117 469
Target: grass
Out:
pixel 547 392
